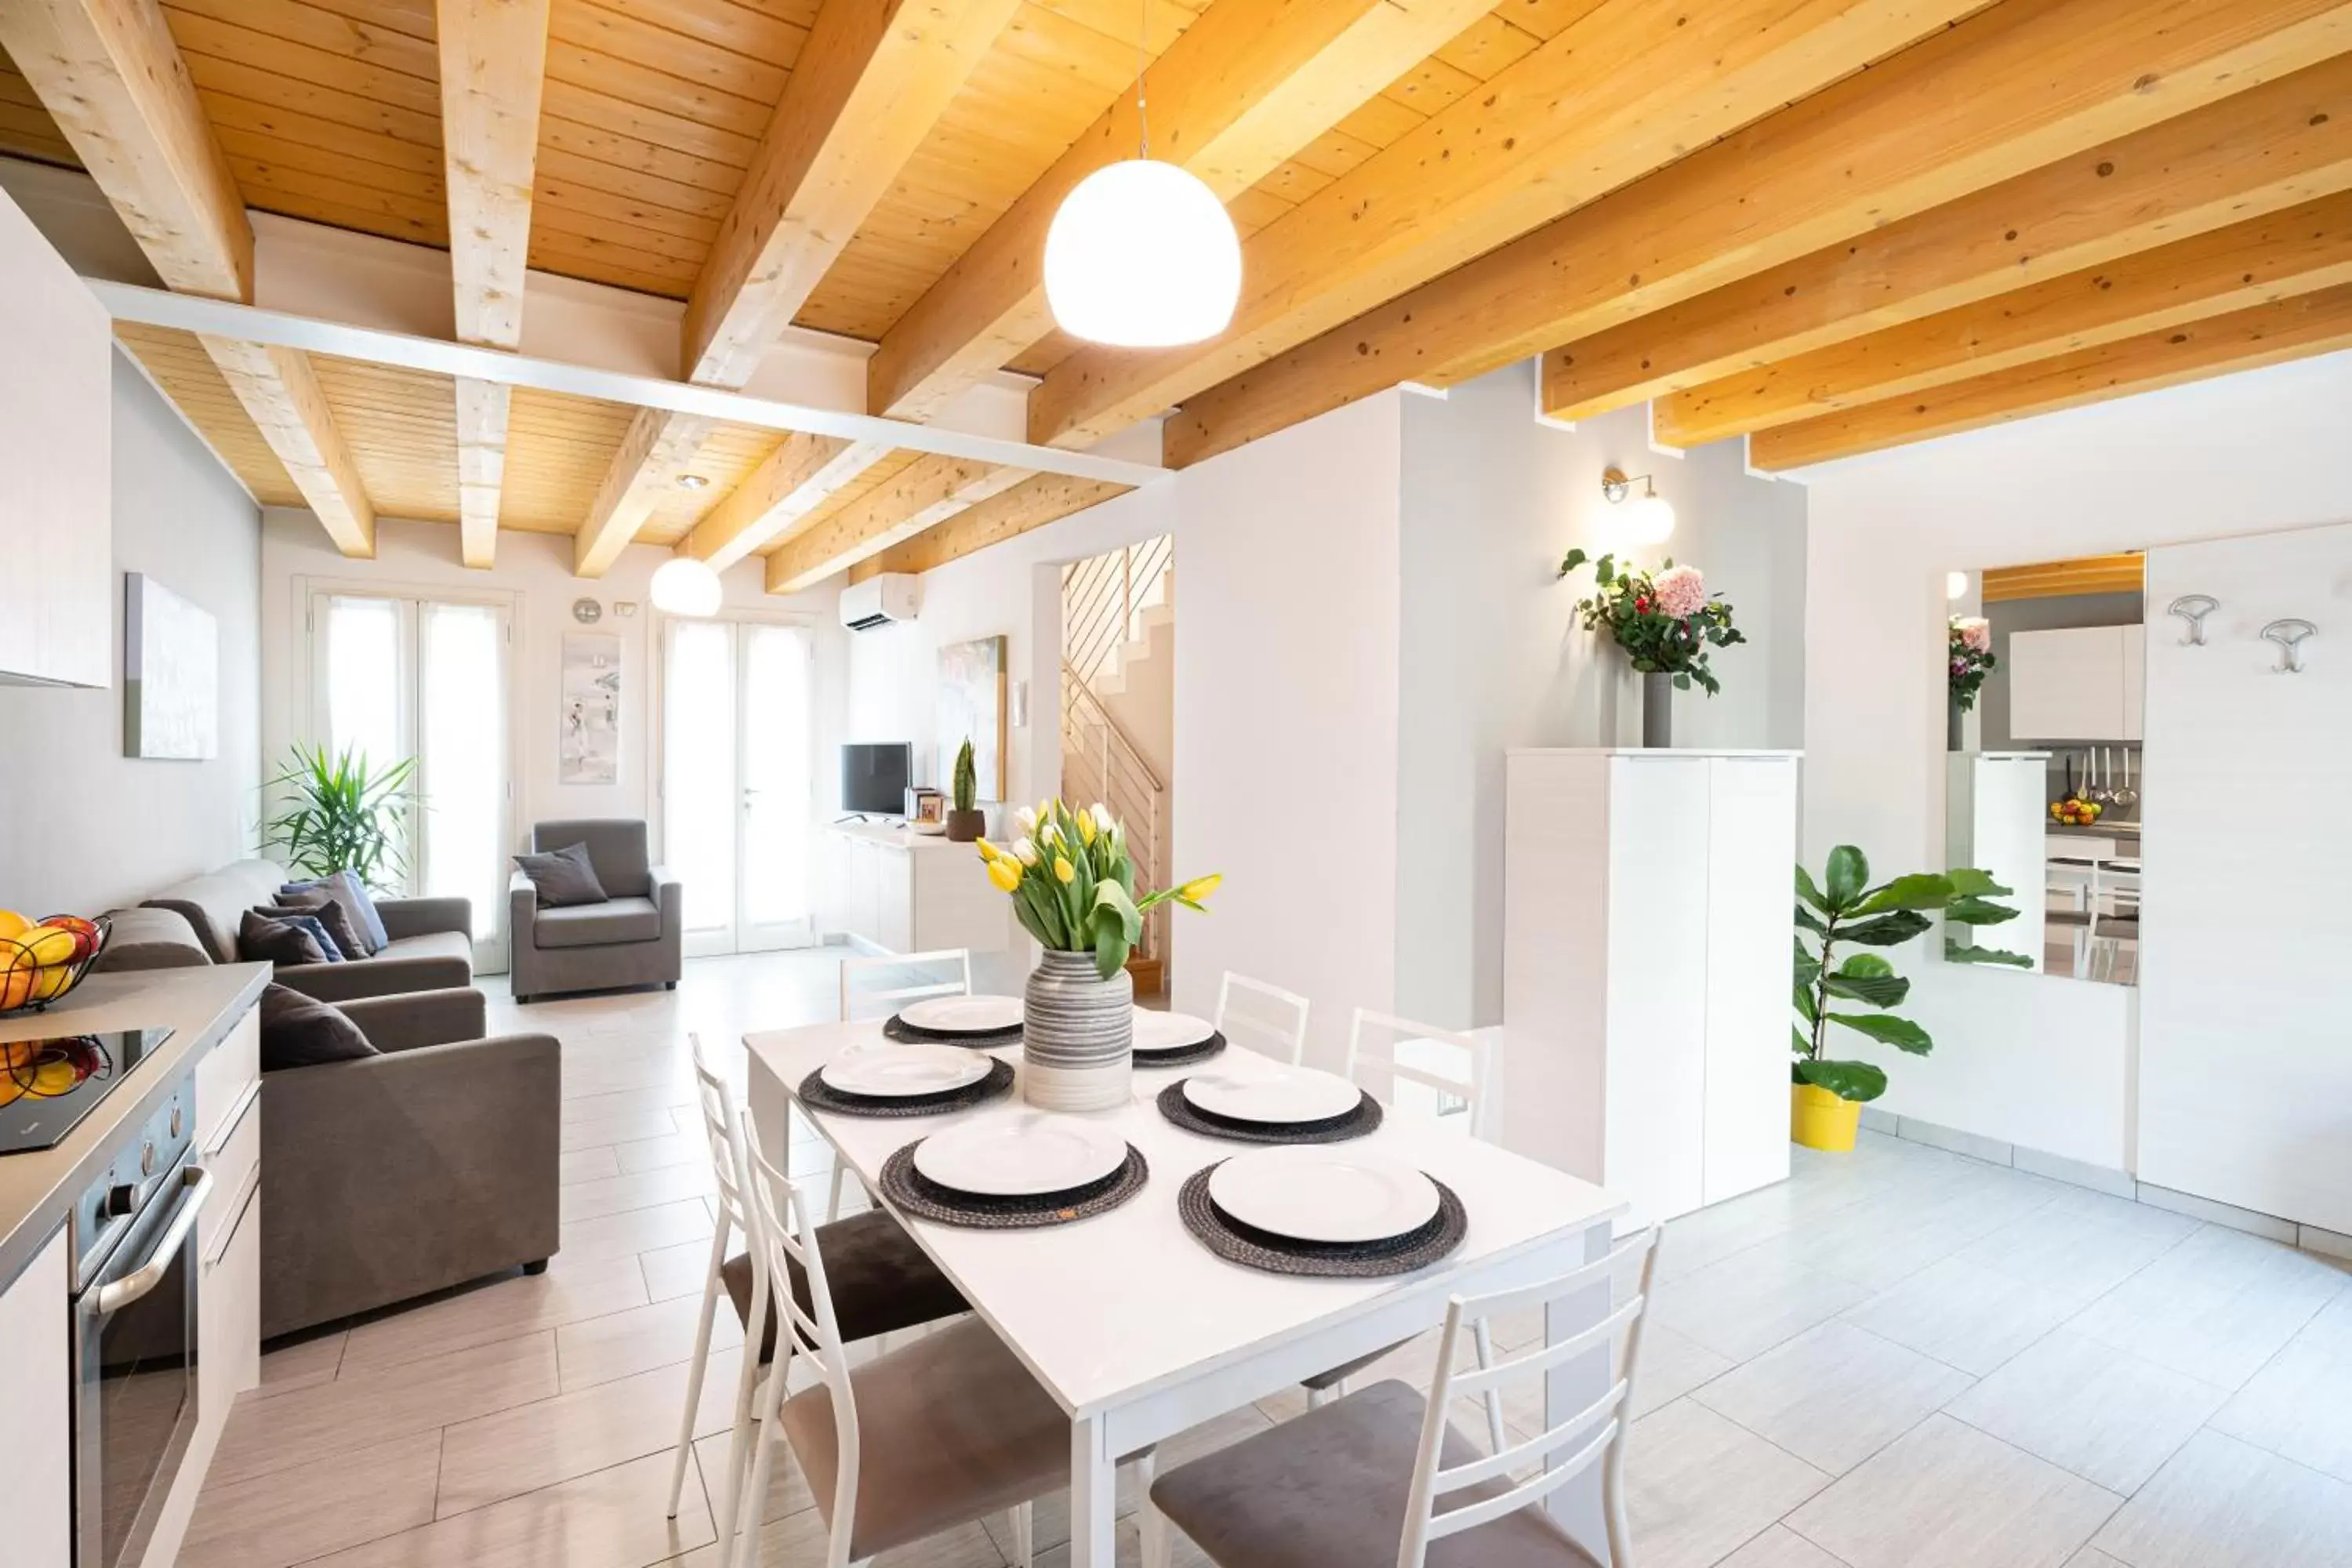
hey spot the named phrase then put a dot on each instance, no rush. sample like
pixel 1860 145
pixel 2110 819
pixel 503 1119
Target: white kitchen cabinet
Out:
pixel 57 420
pixel 2079 683
pixel 37 1383
pixel 912 892
pixel 1648 914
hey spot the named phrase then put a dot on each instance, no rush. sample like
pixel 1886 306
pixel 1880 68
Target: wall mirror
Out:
pixel 2043 779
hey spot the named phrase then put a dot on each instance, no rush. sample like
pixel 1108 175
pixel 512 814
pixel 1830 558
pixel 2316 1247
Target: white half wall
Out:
pixel 2023 1058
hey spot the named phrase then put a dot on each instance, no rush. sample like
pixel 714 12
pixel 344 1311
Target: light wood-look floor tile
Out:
pixel 637 1230
pixel 1834 1395
pixel 2222 1501
pixel 1781 1548
pixel 2217 1306
pixel 1698 1486
pixel 1948 1495
pixel 788 1491
pixel 1748 1303
pixel 644 1122
pixel 1672 1366
pixel 601 1350
pixel 577 1165
pixel 2077 1251
pixel 573 1287
pixel 2104 1414
pixel 644 1190
pixel 679 1270
pixel 308 1511
pixel 689 1147
pixel 2300 1405
pixel 1964 1314
pixel 800 1538
pixel 611 1519
pixel 300 1364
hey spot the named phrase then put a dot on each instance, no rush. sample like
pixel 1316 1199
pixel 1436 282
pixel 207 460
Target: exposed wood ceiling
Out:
pixel 2126 573
pixel 1828 226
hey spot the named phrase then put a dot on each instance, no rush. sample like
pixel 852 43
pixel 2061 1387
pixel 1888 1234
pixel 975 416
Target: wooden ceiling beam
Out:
pixel 869 83
pixel 790 482
pixel 110 74
pixel 2009 89
pixel 1647 81
pixel 2298 251
pixel 493 57
pixel 2292 328
pixel 2120 574
pixel 930 490
pixel 1031 504
pixel 1236 96
pixel 2272 146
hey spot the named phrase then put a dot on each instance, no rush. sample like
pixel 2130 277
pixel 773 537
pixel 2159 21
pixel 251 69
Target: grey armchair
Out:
pixel 398 1174
pixel 635 938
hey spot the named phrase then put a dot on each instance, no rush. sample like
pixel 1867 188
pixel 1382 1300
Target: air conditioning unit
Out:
pixel 878 602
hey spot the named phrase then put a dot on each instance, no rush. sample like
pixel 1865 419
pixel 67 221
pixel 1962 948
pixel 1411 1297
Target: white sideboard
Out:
pixel 1648 920
pixel 1997 820
pixel 2079 683
pixel 909 892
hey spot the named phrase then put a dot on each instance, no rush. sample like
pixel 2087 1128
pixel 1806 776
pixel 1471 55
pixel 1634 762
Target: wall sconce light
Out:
pixel 1651 520
pixel 1956 586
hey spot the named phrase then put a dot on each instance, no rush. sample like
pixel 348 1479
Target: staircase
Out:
pixel 1118 614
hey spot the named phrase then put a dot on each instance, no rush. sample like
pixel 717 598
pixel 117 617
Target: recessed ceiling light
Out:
pixel 692 482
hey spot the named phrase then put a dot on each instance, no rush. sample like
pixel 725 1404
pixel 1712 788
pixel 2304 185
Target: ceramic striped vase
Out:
pixel 1077 1034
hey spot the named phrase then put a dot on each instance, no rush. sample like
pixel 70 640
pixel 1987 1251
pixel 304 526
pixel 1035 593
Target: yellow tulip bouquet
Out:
pixel 1073 885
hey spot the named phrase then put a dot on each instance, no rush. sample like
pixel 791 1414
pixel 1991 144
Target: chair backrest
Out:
pixel 616 848
pixel 1456 1066
pixel 1594 1434
pixel 784 1229
pixel 721 1130
pixel 1275 1020
pixel 877 987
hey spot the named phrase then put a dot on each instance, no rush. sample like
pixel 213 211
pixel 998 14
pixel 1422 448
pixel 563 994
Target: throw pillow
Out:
pixel 261 939
pixel 351 895
pixel 307 921
pixel 298 1031
pixel 564 876
pixel 320 903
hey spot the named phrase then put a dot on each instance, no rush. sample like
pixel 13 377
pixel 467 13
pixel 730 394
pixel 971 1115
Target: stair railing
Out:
pixel 1100 762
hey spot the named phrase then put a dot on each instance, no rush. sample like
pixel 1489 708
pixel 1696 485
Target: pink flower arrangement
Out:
pixel 1970 649
pixel 1682 591
pixel 1976 633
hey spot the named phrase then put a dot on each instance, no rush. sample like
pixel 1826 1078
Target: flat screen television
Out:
pixel 874 777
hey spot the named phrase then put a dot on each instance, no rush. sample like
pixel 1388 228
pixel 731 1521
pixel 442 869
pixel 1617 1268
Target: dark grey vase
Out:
pixel 1954 723
pixel 1657 709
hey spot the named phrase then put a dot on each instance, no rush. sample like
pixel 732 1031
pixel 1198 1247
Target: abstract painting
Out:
pixel 971 708
pixel 591 744
pixel 171 674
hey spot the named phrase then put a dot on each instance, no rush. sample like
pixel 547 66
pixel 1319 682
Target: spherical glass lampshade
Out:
pixel 1142 254
pixel 1956 585
pixel 685 587
pixel 1649 520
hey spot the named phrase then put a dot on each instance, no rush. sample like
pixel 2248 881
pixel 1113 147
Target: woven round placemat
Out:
pixel 1181 1056
pixel 908 1034
pixel 913 1192
pixel 1365 1119
pixel 1231 1240
pixel 818 1095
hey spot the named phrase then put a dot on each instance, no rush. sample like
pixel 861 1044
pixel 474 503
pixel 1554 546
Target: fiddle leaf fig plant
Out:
pixel 1843 910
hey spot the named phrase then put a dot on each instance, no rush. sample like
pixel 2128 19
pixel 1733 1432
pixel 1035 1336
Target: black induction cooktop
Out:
pixel 48 1085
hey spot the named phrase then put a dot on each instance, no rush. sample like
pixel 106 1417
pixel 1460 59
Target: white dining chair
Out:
pixel 876 987
pixel 1274 1019
pixel 922 1439
pixel 1378 1462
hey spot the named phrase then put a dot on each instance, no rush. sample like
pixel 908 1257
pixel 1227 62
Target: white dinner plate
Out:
pixel 1169 1031
pixel 963 1014
pixel 894 1071
pixel 1020 1155
pixel 1322 1194
pixel 1293 1094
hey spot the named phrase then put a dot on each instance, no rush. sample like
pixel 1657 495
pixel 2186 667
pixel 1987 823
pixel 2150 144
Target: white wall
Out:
pixel 2024 1058
pixel 1492 657
pixel 534 576
pixel 83 828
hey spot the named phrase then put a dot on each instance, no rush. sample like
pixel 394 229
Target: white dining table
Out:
pixel 1139 1332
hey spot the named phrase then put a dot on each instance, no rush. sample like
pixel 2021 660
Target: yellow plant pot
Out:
pixel 1819 1120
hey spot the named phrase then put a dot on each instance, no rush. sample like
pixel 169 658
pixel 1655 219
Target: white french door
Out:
pixel 737 781
pixel 396 677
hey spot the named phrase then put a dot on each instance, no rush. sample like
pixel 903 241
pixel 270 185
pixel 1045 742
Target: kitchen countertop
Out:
pixel 198 1005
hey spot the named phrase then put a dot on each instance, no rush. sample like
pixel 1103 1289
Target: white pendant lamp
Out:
pixel 1142 254
pixel 685 587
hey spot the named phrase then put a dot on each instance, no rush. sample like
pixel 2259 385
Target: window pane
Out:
pixel 776 771
pixel 464 758
pixel 698 770
pixel 363 679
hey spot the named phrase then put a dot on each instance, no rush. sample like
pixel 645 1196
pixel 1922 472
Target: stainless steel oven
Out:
pixel 135 1336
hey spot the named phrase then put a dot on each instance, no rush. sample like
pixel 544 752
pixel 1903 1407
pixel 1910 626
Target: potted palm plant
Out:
pixel 342 815
pixel 966 821
pixel 1073 887
pixel 1826 1094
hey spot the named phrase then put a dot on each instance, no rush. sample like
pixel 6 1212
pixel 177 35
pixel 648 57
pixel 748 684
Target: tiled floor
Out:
pixel 1902 1358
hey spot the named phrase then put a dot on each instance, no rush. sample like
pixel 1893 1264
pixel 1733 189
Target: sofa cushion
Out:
pixel 321 905
pixel 598 925
pixel 297 1032
pixel 432 944
pixel 349 891
pixel 214 904
pixel 616 848
pixel 263 938
pixel 562 878
pixel 330 949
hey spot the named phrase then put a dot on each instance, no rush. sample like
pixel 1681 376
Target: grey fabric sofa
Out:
pixel 432 946
pixel 399 1174
pixel 636 938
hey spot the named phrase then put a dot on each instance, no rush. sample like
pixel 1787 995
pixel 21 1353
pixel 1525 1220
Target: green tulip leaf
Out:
pixel 1901 1033
pixel 1111 898
pixel 1847 1081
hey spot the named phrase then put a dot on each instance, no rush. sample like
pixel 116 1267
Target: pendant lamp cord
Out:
pixel 1142 56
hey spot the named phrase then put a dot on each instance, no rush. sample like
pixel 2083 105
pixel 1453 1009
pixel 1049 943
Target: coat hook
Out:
pixel 2193 608
pixel 2289 635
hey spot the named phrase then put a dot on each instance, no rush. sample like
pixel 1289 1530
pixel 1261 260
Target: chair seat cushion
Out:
pixel 951 1429
pixel 1331 1488
pixel 598 925
pixel 881 1282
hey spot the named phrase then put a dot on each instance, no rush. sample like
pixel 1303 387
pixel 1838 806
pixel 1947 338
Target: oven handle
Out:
pixel 117 1294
